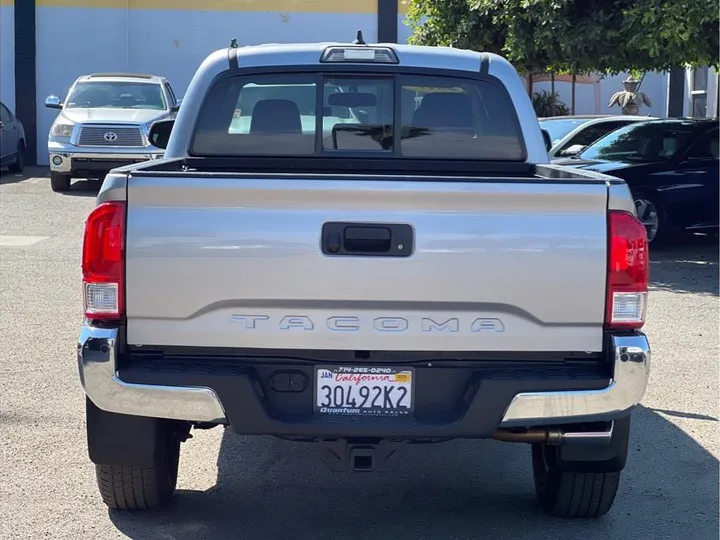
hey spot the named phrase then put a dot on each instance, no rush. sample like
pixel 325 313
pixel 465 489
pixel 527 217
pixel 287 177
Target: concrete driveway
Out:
pixel 247 488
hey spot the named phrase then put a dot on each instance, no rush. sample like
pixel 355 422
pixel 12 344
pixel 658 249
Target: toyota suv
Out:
pixel 104 122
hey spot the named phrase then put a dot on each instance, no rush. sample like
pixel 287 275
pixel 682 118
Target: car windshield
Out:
pixel 118 95
pixel 561 127
pixel 647 141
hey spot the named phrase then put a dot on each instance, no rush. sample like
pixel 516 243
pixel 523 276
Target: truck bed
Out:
pixel 495 263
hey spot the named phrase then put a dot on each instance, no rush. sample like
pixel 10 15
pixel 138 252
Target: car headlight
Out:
pixel 62 130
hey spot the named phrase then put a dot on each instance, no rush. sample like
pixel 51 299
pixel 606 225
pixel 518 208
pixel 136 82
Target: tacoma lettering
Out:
pixel 349 323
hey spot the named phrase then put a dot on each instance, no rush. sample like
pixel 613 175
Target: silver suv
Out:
pixel 104 123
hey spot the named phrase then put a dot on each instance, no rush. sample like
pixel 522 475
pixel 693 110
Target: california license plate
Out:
pixel 364 391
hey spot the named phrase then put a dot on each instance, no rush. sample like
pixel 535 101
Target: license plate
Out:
pixel 364 391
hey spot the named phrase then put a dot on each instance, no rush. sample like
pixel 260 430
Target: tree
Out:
pixel 575 36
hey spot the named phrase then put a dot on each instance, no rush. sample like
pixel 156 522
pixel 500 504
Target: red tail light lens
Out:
pixel 628 272
pixel 103 262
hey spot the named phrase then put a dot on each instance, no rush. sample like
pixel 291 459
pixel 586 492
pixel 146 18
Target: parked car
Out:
pixel 570 134
pixel 104 123
pixel 418 275
pixel 671 167
pixel 12 141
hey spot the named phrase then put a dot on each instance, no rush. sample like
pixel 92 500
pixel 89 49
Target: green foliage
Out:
pixel 543 104
pixel 575 36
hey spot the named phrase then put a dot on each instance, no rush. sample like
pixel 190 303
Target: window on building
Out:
pixel 699 93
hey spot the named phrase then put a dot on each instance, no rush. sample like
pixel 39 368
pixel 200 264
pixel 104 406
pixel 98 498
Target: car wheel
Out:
pixel 19 164
pixel 59 182
pixel 651 216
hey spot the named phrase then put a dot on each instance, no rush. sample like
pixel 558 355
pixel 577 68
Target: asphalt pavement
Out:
pixel 262 488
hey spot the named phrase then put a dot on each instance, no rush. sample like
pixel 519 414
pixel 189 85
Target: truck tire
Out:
pixel 571 494
pixel 141 488
pixel 59 182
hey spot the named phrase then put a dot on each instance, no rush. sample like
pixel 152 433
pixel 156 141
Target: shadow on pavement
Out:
pixel 83 188
pixel 6 177
pixel 272 489
pixel 688 264
pixel 78 188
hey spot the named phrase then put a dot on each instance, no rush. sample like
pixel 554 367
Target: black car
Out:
pixel 671 168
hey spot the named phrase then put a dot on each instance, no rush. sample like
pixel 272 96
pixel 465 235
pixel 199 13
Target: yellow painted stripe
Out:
pixel 296 6
pixel 403 6
pixel 7 2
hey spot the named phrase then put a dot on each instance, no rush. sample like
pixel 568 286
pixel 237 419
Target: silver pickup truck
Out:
pixel 362 246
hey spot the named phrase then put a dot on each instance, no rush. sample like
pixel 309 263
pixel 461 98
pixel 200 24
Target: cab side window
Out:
pixel 706 147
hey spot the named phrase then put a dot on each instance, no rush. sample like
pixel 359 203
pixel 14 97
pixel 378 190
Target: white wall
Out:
pixel 654 85
pixel 589 100
pixel 165 42
pixel 7 54
pixel 712 93
pixel 585 94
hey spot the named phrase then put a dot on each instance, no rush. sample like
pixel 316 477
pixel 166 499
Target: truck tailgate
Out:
pixel 236 261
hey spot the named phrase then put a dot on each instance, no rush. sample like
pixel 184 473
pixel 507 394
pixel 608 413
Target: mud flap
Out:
pixel 125 441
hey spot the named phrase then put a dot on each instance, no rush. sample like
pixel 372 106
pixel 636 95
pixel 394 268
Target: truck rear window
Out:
pixel 412 116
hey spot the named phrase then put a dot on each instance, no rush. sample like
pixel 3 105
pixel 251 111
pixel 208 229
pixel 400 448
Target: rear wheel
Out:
pixel 19 165
pixel 136 458
pixel 59 182
pixel 571 494
pixel 142 488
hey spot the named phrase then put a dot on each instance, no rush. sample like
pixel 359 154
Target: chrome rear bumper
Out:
pixel 98 373
pixel 631 355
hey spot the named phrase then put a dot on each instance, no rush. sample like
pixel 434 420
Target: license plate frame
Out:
pixel 363 377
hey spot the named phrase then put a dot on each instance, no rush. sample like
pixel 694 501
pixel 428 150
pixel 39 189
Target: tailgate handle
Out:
pixel 367 239
pixel 375 239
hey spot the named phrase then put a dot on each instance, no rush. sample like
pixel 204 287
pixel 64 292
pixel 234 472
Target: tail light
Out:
pixel 628 270
pixel 103 262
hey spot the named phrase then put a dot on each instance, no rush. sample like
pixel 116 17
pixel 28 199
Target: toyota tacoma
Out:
pixel 362 246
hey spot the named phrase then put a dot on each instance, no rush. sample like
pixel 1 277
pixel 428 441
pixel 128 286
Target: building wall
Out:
pixel 172 37
pixel 404 31
pixel 593 98
pixel 710 90
pixel 7 53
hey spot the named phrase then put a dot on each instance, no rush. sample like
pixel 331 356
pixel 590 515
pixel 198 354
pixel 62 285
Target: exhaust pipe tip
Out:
pixel 556 436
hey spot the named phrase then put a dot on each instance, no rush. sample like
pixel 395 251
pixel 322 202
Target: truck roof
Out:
pixel 344 57
pixel 118 76
pixel 415 56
